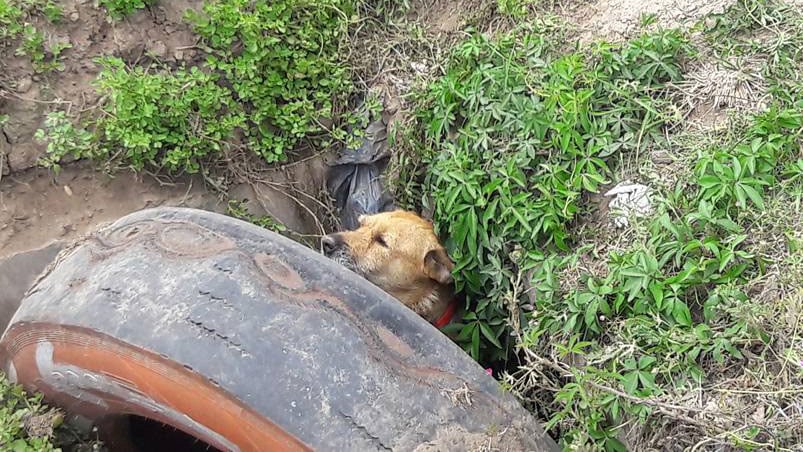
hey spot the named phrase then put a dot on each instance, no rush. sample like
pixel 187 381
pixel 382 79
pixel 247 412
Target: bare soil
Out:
pixel 36 208
pixel 616 20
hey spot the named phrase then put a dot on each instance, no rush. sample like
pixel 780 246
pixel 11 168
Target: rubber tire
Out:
pixel 248 341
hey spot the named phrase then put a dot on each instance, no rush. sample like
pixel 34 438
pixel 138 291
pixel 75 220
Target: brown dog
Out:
pixel 399 252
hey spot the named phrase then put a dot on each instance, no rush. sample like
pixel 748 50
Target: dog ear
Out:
pixel 438 266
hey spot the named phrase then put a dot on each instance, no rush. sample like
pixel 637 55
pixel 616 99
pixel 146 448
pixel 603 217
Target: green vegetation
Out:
pixel 769 31
pixel 119 9
pixel 13 14
pixel 168 120
pixel 514 8
pixel 683 324
pixel 25 423
pixel 13 25
pixel 272 73
pixel 611 328
pixel 10 15
pixel 238 209
pixel 63 139
pixel 285 67
pixel 678 294
pixel 532 131
pixel 43 58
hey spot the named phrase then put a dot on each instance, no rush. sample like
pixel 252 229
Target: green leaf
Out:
pixel 681 313
pixel 647 380
pixel 709 181
pixel 614 445
pixel 657 291
pixel 646 361
pixel 475 344
pixel 630 382
pixel 753 194
pixel 486 331
pixel 591 313
pixel 737 168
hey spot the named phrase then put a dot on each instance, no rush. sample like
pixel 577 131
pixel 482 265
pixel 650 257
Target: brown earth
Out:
pixel 36 208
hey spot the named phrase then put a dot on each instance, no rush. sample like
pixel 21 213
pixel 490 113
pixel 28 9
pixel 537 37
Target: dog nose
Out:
pixel 328 243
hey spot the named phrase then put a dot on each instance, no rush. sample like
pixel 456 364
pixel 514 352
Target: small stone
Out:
pixel 661 158
pixel 158 49
pixel 178 55
pixel 24 84
pixel 74 16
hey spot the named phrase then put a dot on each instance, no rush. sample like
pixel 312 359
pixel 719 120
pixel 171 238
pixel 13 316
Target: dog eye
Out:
pixel 380 240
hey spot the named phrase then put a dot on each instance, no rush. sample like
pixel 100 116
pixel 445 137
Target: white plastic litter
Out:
pixel 629 200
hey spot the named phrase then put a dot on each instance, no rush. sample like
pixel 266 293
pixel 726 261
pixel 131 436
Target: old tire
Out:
pixel 248 341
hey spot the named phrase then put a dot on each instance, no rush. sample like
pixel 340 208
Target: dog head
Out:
pixel 399 252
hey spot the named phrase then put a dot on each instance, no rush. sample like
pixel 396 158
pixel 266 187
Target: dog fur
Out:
pixel 399 252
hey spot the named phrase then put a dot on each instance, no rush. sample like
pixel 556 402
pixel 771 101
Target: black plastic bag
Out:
pixel 354 180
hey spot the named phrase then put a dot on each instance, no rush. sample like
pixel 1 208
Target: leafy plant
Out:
pixel 52 11
pixel 765 30
pixel 514 8
pixel 674 294
pixel 119 9
pixel 272 74
pixel 238 209
pixel 42 59
pixel 522 134
pixel 16 407
pixel 281 59
pixel 63 139
pixel 516 136
pixel 10 15
pixel 14 12
pixel 167 120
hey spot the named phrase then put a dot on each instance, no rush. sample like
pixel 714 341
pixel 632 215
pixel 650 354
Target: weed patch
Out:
pixel 168 120
pixel 14 24
pixel 10 16
pixel 284 66
pixel 43 57
pixel 521 134
pixel 17 410
pixel 63 139
pixel 674 306
pixel 770 31
pixel 238 209
pixel 119 9
pixel 662 324
pixel 271 79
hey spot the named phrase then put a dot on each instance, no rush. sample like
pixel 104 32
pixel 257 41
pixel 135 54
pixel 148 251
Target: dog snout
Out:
pixel 330 243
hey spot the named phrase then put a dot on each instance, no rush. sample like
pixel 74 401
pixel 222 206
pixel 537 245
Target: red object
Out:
pixel 447 315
